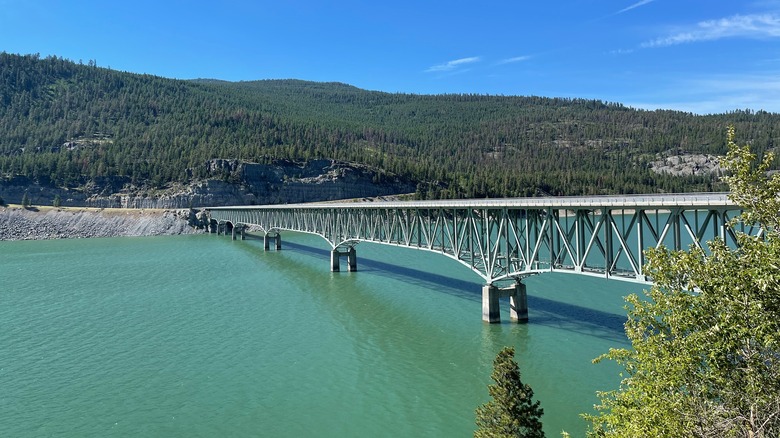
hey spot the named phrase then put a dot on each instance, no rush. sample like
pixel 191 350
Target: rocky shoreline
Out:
pixel 17 223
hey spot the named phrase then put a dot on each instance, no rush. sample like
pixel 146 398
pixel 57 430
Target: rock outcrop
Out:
pixel 229 182
pixel 687 164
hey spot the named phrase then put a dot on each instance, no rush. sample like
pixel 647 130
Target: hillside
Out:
pixel 79 126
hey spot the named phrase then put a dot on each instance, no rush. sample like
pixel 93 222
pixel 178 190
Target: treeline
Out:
pixel 71 124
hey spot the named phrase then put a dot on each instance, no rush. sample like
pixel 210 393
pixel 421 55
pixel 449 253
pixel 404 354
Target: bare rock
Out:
pixel 687 164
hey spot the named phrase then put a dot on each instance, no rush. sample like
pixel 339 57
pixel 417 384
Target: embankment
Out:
pixel 18 223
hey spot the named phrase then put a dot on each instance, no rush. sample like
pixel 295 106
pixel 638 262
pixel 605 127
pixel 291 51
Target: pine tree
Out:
pixel 512 412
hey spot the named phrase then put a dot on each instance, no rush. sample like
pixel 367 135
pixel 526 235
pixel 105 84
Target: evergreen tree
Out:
pixel 512 411
pixel 705 356
pixel 25 200
pixel 57 201
pixel 153 131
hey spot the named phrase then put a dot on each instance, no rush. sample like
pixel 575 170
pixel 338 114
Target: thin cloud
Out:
pixel 624 10
pixel 738 26
pixel 634 6
pixel 452 65
pixel 513 60
pixel 621 52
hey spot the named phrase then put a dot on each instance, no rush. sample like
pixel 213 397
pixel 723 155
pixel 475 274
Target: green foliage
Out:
pixel 25 200
pixel 512 411
pixel 71 124
pixel 750 186
pixel 57 201
pixel 705 360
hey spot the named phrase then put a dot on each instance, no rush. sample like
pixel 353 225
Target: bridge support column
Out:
pixel 233 233
pixel 335 255
pixel 490 310
pixel 518 302
pixel 277 241
pixel 352 260
pixel 335 259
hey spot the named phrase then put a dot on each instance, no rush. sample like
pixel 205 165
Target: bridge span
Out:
pixel 504 240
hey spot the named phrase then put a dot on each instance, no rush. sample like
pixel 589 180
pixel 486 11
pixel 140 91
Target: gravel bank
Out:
pixel 52 223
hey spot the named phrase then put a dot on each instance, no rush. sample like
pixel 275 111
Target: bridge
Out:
pixel 504 240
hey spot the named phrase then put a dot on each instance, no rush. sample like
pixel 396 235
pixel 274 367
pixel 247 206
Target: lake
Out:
pixel 189 336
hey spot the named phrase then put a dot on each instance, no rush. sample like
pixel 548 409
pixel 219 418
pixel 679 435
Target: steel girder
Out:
pixel 503 242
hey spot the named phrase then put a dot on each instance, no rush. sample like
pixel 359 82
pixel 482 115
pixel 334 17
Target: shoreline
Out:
pixel 46 222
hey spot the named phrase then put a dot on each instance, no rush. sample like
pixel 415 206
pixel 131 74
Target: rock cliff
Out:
pixel 228 182
pixel 687 164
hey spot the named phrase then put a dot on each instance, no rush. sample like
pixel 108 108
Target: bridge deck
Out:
pixel 649 201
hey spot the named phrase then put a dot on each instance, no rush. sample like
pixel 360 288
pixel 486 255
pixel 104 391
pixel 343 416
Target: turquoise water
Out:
pixel 193 336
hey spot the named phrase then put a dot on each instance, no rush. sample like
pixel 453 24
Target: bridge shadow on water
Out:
pixel 543 311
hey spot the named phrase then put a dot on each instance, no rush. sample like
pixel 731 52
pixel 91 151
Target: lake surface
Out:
pixel 201 336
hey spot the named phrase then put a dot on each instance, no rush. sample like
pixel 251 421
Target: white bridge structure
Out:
pixel 505 240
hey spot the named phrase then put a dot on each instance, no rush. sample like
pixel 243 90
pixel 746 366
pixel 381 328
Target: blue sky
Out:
pixel 702 56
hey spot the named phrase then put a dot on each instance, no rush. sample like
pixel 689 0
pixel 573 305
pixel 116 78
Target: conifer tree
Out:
pixel 512 411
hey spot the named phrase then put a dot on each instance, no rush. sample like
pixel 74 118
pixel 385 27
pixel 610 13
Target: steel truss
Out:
pixel 513 238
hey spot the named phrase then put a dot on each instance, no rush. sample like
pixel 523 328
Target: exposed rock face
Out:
pixel 290 182
pixel 230 182
pixel 688 164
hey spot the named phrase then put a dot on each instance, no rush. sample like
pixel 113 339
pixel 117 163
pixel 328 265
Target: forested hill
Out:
pixel 66 124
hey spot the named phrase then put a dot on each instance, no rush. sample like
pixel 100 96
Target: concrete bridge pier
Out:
pixel 337 254
pixel 518 302
pixel 225 228
pixel 277 238
pixel 238 229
